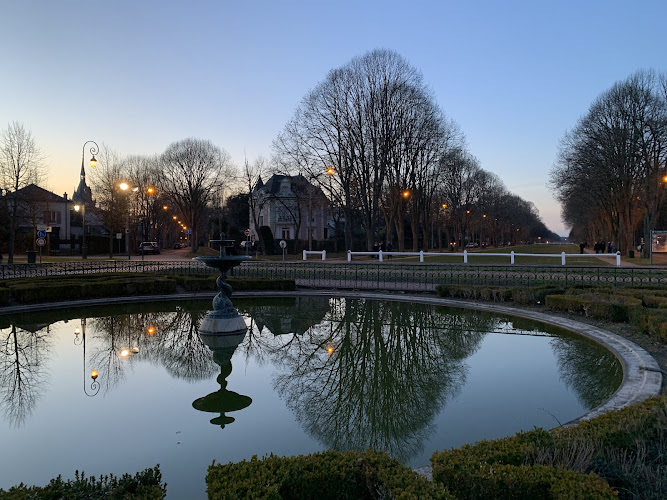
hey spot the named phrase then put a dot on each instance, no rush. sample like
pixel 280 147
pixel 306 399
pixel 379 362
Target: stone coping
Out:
pixel 642 376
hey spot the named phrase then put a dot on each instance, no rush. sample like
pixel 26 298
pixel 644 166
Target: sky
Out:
pixel 138 75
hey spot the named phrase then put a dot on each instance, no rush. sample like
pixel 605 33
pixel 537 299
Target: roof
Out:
pixel 34 192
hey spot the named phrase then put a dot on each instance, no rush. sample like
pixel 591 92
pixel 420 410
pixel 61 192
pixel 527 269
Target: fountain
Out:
pixel 224 319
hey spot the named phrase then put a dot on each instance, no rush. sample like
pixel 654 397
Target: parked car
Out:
pixel 149 247
pixel 472 245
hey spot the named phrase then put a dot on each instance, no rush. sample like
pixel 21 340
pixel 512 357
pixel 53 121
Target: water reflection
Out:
pixel 355 374
pixel 223 400
pixel 24 351
pixel 370 374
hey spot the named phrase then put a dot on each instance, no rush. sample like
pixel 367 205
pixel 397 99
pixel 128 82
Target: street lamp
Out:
pixel 94 385
pixel 82 208
pixel 125 187
pixel 94 149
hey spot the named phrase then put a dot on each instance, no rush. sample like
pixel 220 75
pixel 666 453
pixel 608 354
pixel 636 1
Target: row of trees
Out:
pixel 186 179
pixel 397 160
pixel 611 173
pixel 371 136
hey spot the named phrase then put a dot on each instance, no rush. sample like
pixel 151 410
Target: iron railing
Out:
pixel 368 276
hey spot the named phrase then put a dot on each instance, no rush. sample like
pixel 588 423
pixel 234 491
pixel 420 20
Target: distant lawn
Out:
pixel 476 256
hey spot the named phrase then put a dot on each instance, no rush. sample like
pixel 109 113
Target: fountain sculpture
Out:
pixel 224 319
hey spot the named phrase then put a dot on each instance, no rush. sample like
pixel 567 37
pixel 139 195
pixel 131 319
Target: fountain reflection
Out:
pixel 222 401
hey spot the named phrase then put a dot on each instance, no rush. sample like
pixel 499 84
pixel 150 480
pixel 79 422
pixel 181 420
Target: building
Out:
pixel 37 208
pixel 285 203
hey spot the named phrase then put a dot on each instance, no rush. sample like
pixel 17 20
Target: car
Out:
pixel 149 247
pixel 472 245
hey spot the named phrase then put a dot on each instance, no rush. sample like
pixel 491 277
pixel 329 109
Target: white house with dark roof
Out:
pixel 284 204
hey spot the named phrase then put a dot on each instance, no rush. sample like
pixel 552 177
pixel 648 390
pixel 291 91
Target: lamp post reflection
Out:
pixel 94 385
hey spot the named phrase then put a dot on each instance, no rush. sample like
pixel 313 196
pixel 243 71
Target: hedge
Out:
pixel 145 485
pixel 325 475
pixel 608 307
pixel 627 448
pixel 45 289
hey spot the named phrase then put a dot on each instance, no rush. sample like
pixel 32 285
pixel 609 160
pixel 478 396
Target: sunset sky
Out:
pixel 139 75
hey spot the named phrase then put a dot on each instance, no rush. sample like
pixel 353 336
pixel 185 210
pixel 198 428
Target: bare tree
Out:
pixel 192 171
pixel 112 208
pixel 21 164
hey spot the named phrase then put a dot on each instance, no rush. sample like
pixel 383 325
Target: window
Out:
pixel 285 233
pixel 261 220
pixel 51 217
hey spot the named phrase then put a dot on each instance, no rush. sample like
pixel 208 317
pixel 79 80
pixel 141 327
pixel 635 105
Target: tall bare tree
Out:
pixel 21 164
pixel 192 171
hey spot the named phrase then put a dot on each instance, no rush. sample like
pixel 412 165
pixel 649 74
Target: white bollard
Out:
pixel 324 255
pixel 380 255
pixel 421 256
pixel 349 255
pixel 562 258
pixel 304 255
pixel 618 259
pixel 512 257
pixel 465 256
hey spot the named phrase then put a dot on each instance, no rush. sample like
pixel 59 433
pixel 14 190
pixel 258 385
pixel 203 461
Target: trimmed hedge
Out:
pixel 325 475
pixel 112 287
pixel 627 448
pixel 5 295
pixel 618 308
pixel 50 288
pixel 145 485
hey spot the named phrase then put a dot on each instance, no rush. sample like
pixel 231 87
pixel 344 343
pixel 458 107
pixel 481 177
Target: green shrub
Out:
pixel 627 448
pixel 326 475
pixel 652 322
pixel 145 485
pixel 5 295
pixel 603 306
pixel 109 286
pixel 524 482
pixel 534 295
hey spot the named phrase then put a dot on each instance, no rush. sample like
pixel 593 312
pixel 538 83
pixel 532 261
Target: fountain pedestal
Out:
pixel 224 319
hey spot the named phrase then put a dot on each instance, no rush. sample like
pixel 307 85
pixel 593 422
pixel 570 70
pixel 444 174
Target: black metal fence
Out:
pixel 368 276
pixel 425 277
pixel 103 266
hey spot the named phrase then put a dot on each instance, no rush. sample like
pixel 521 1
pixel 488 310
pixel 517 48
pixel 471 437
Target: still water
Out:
pixel 311 374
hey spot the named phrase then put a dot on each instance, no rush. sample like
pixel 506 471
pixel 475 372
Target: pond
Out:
pixel 311 374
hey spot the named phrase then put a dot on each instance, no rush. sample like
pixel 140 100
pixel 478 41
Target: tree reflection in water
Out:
pixel 23 355
pixel 356 373
pixel 168 339
pixel 374 374
pixel 591 372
